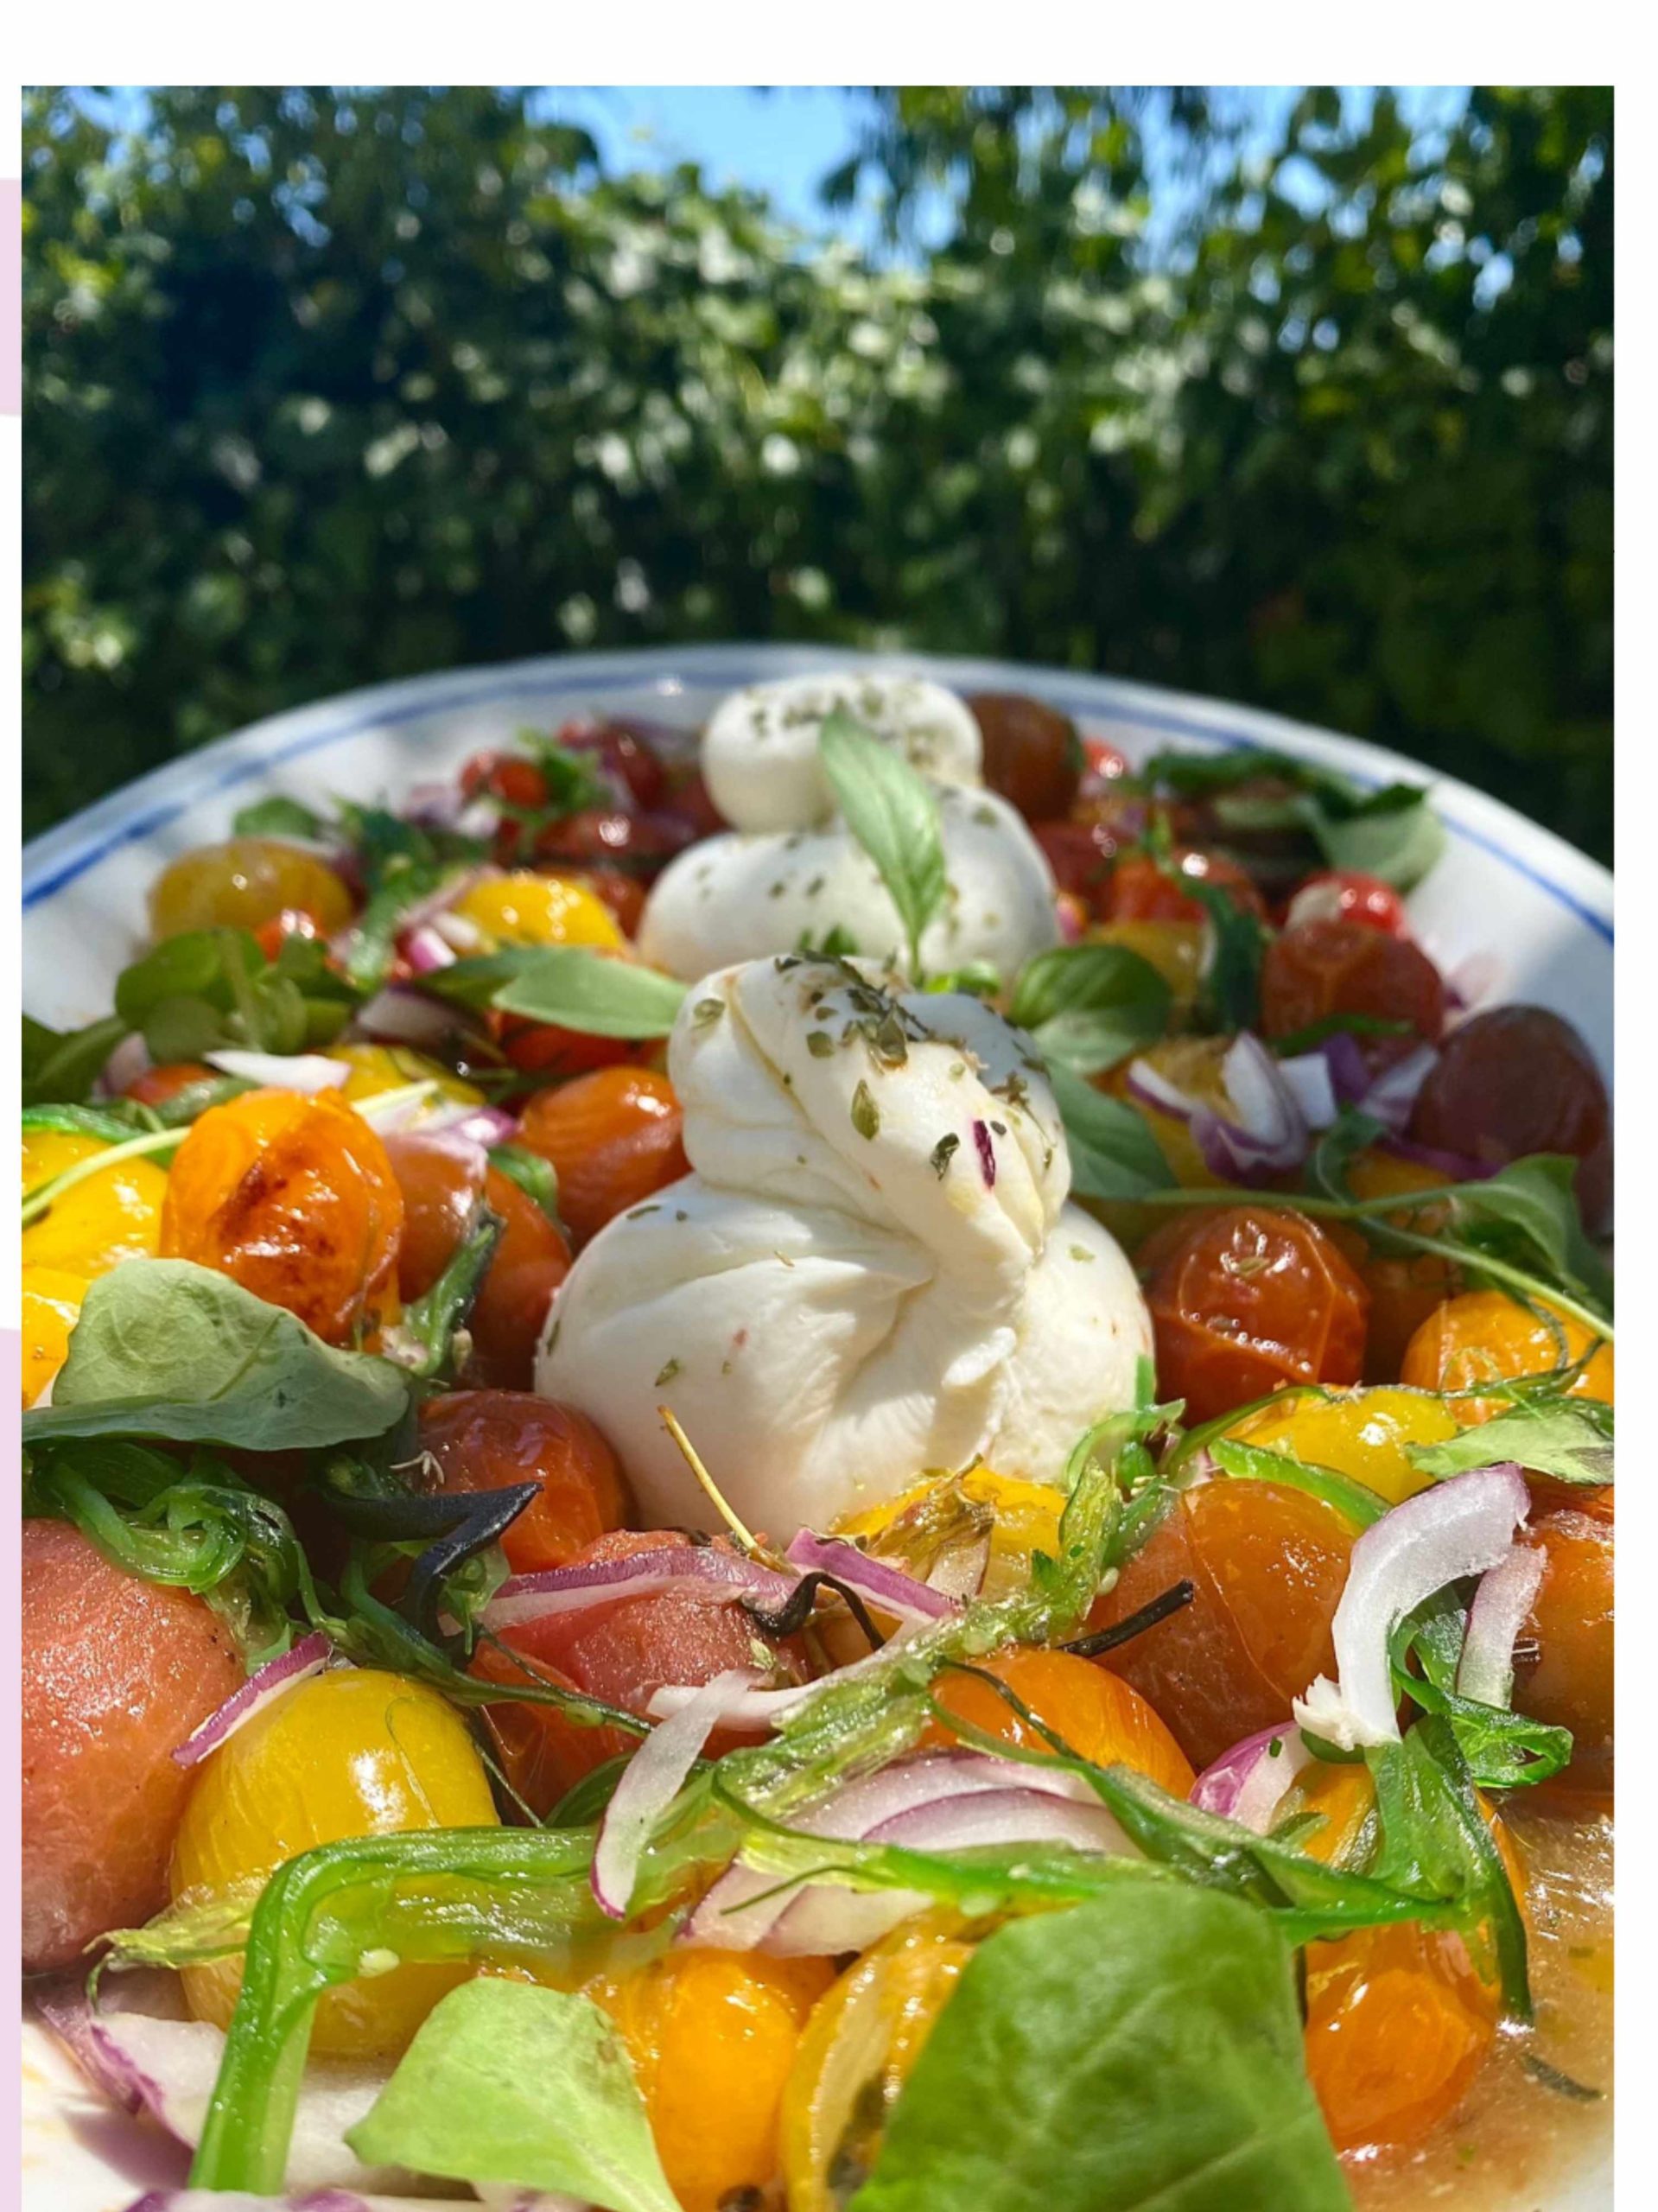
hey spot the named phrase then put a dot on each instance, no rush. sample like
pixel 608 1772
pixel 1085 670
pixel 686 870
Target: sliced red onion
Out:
pixel 439 901
pixel 1349 1071
pixel 305 1072
pixel 1460 1166
pixel 1152 1088
pixel 650 1782
pixel 308 1656
pixel 524 1597
pixel 1461 1526
pixel 1391 1098
pixel 434 806
pixel 482 1125
pixel 1270 1133
pixel 1312 1088
pixel 1501 1603
pixel 1247 1783
pixel 309 2199
pixel 425 951
pixel 886 1587
pixel 398 1015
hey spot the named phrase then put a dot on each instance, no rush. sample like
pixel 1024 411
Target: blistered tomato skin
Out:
pixel 441 1181
pixel 244 884
pixel 1322 968
pixel 1032 754
pixel 1268 1564
pixel 486 1440
pixel 112 1216
pixel 1404 1287
pixel 1563 1660
pixel 352 1752
pixel 526 909
pixel 612 1137
pixel 296 1199
pixel 712 2036
pixel 1141 892
pixel 508 1314
pixel 116 1673
pixel 51 1299
pixel 1250 1299
pixel 1485 1335
pixel 1097 1713
pixel 1515 1081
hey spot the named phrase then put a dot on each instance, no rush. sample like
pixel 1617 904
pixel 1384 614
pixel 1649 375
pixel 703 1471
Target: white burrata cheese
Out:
pixel 737 897
pixel 760 750
pixel 872 1269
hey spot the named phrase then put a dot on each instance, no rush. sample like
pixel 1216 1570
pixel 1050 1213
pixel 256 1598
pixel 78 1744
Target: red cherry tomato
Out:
pixel 440 1183
pixel 1250 1299
pixel 541 1048
pixel 507 776
pixel 1267 1564
pixel 623 1653
pixel 293 921
pixel 1140 892
pixel 1346 895
pixel 1081 854
pixel 638 844
pixel 489 1439
pixel 1515 1081
pixel 1105 762
pixel 631 760
pixel 687 800
pixel 1031 755
pixel 623 894
pixel 1320 969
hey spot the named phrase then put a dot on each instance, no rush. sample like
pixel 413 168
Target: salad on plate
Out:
pixel 857 1463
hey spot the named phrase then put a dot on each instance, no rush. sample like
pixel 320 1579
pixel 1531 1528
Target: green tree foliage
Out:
pixel 323 388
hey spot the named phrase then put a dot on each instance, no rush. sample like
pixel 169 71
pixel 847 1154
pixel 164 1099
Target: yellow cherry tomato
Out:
pixel 378 1068
pixel 1174 949
pixel 523 908
pixel 864 2036
pixel 245 883
pixel 350 1753
pixel 1363 1433
pixel 51 1307
pixel 106 1217
pixel 944 1512
pixel 712 2036
pixel 1485 1335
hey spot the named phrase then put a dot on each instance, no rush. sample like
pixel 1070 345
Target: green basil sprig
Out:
pixel 890 808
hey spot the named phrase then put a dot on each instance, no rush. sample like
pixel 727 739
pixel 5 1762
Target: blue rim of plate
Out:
pixel 56 859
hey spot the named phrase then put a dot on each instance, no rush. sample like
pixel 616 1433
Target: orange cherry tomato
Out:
pixel 1267 1564
pixel 442 1182
pixel 1140 892
pixel 1249 1299
pixel 1097 1713
pixel 1485 1335
pixel 1404 1287
pixel 1515 1081
pixel 296 1199
pixel 486 1440
pixel 156 1086
pixel 1320 969
pixel 614 1137
pixel 541 1048
pixel 623 1652
pixel 293 921
pixel 1563 1660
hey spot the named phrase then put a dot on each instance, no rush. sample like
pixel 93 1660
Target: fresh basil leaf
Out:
pixel 165 1348
pixel 1569 1438
pixel 64 1065
pixel 1113 1152
pixel 1392 833
pixel 1149 2043
pixel 891 812
pixel 1355 1500
pixel 1229 998
pixel 513 2083
pixel 569 985
pixel 277 816
pixel 535 1177
pixel 1091 1005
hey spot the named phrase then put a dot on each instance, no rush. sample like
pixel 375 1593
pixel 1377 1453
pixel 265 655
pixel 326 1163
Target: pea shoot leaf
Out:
pixel 891 812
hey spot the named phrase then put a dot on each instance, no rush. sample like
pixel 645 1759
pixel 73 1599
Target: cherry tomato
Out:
pixel 1485 1335
pixel 1032 754
pixel 375 1069
pixel 541 1048
pixel 487 1440
pixel 623 894
pixel 687 800
pixel 156 1086
pixel 1320 969
pixel 510 1310
pixel 441 1181
pixel 1249 1299
pixel 293 921
pixel 1174 949
pixel 1140 892
pixel 1515 1081
pixel 1097 1713
pixel 630 758
pixel 638 844
pixel 243 883
pixel 1081 854
pixel 1346 895
pixel 352 1752
pixel 111 1215
pixel 1404 1287
pixel 522 908
pixel 623 1653
pixel 1364 1434
pixel 1563 1660
pixel 1398 2024
pixel 712 2036
pixel 51 1299
pixel 116 1672
pixel 947 1514
pixel 296 1199
pixel 614 1137
pixel 1105 762
pixel 507 776
pixel 1268 1564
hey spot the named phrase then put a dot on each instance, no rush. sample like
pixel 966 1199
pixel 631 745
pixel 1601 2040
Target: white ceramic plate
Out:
pixel 1533 916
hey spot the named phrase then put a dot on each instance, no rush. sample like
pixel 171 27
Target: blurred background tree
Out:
pixel 326 387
